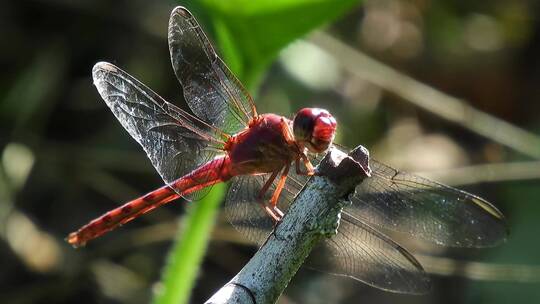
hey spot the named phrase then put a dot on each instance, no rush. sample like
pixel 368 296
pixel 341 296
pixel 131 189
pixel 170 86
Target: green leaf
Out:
pixel 188 251
pixel 251 33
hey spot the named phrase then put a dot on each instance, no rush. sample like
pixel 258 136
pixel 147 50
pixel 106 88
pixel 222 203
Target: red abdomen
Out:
pixel 214 171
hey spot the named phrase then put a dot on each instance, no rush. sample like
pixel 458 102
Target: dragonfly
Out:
pixel 267 159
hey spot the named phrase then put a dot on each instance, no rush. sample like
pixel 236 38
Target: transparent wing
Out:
pixel 357 251
pixel 364 254
pixel 212 92
pixel 423 208
pixel 175 141
pixel 243 209
pixel 391 200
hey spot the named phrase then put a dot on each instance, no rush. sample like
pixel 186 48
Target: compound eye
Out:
pixel 314 129
pixel 323 132
pixel 325 127
pixel 303 124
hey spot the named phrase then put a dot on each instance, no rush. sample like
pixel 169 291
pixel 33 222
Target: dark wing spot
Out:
pixel 126 209
pixel 149 197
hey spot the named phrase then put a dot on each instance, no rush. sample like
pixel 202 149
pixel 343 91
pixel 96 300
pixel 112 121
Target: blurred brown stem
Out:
pixel 480 271
pixel 500 172
pixel 428 98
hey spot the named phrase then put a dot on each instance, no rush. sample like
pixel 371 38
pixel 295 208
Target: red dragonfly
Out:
pixel 227 140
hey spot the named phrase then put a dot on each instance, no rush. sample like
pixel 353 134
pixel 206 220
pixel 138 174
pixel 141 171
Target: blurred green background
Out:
pixel 402 77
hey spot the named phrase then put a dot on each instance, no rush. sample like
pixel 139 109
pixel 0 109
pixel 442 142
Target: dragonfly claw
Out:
pixel 274 213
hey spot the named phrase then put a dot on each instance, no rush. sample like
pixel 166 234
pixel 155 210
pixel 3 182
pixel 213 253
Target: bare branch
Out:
pixel 312 217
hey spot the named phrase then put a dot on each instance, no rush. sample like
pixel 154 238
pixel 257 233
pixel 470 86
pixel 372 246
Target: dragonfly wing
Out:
pixel 212 92
pixel 362 253
pixel 357 251
pixel 423 208
pixel 175 141
pixel 243 207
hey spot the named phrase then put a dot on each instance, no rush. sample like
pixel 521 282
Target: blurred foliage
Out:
pixel 251 33
pixel 64 159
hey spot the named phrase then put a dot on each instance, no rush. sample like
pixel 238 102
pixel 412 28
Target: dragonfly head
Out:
pixel 314 129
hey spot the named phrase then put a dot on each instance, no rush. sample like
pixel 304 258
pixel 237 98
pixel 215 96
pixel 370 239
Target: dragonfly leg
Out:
pixel 277 192
pixel 276 217
pixel 268 184
pixel 287 132
pixel 289 137
pixel 309 167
